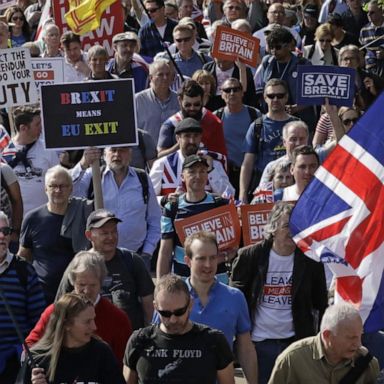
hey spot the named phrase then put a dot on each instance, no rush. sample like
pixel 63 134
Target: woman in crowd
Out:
pixel 322 52
pixel 69 352
pixel 19 28
pixel 86 273
pixel 208 83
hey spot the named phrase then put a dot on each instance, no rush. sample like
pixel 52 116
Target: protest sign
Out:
pixel 111 23
pixel 222 221
pixel 96 113
pixel 230 44
pixel 253 219
pixel 16 79
pixel 317 82
pixel 47 71
pixel 4 4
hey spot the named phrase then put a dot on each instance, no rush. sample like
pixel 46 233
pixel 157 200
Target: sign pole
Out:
pixel 96 180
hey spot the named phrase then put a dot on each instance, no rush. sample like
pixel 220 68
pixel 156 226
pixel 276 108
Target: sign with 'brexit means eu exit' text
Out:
pixel 317 82
pixel 97 113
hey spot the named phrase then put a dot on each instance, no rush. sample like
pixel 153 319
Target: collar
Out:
pixel 194 294
pixel 5 263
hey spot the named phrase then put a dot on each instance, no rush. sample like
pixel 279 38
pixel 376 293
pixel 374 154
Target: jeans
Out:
pixel 267 352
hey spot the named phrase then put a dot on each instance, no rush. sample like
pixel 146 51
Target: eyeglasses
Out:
pixel 231 89
pixel 189 105
pixel 349 121
pixel 6 230
pixel 60 187
pixel 177 312
pixel 153 10
pixel 271 96
pixel 183 39
pixel 234 8
pixel 325 41
pixel 14 18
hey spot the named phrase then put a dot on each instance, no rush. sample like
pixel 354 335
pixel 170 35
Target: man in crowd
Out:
pixel 123 64
pixel 305 162
pixel 75 61
pixel 284 289
pixel 195 200
pixel 20 289
pixel 128 284
pixel 128 193
pixel 236 118
pixel 166 171
pixel 191 103
pixel 334 354
pixel 157 103
pixel 263 142
pixel 27 155
pixel 211 299
pixel 177 350
pixel 159 25
pixel 52 233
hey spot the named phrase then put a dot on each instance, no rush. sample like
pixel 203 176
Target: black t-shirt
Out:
pixel 126 283
pixel 40 232
pixel 191 358
pixel 94 363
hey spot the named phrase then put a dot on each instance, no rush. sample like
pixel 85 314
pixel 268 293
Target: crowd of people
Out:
pixel 78 299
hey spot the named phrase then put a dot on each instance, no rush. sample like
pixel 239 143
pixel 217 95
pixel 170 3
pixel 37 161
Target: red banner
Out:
pixel 253 218
pixel 111 23
pixel 222 221
pixel 230 44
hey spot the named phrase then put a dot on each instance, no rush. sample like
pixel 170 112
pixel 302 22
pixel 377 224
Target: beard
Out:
pixel 195 115
pixel 190 149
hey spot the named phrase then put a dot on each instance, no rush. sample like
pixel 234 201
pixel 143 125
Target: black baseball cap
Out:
pixel 191 160
pixel 311 10
pixel 99 217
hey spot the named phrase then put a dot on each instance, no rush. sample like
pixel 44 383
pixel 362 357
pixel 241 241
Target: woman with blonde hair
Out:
pixel 69 352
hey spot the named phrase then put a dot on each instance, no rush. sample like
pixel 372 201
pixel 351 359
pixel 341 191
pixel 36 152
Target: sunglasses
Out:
pixel 277 47
pixel 153 10
pixel 14 18
pixel 234 8
pixel 6 230
pixel 325 41
pixel 349 121
pixel 271 96
pixel 231 89
pixel 177 312
pixel 183 39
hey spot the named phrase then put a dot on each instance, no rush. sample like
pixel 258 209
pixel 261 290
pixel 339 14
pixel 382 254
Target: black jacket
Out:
pixel 309 291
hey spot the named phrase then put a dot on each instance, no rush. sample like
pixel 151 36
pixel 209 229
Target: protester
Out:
pixel 208 83
pixel 20 289
pixel 335 352
pixel 19 28
pixel 181 350
pixel 68 352
pixel 51 38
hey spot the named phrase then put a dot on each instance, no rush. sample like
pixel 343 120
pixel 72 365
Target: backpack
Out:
pixel 252 113
pixel 141 174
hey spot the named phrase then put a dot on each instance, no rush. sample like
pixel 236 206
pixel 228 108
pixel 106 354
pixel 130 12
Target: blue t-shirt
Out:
pixel 270 146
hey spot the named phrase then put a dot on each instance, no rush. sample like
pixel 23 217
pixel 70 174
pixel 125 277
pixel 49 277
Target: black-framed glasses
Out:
pixel 6 230
pixel 183 39
pixel 153 10
pixel 177 312
pixel 189 105
pixel 60 187
pixel 349 121
pixel 231 89
pixel 271 96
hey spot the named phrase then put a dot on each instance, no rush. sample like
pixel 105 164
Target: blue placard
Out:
pixel 316 82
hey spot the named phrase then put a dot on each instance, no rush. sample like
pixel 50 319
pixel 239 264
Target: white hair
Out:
pixel 337 314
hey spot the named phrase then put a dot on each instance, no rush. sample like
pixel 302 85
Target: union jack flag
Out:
pixel 339 219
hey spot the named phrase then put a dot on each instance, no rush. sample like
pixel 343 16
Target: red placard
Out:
pixel 253 218
pixel 230 44
pixel 111 23
pixel 223 221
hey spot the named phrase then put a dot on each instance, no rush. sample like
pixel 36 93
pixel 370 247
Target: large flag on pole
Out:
pixel 84 15
pixel 339 219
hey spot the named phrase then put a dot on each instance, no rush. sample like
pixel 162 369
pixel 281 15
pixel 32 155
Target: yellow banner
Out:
pixel 84 15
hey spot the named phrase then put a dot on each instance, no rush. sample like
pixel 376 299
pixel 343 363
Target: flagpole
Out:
pixel 157 33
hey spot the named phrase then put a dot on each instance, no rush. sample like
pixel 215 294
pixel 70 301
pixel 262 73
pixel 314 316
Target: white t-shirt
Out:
pixel 273 318
pixel 290 193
